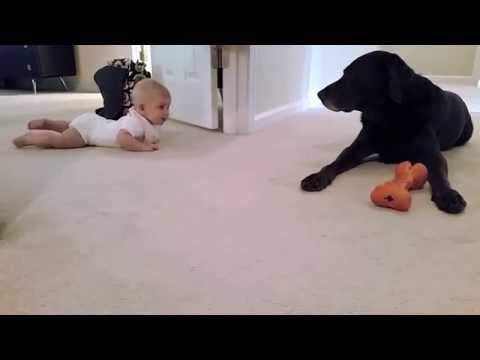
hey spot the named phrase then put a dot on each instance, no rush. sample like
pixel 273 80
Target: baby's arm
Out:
pixel 129 143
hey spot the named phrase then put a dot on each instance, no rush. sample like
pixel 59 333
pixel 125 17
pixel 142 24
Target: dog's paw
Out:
pixel 318 181
pixel 449 201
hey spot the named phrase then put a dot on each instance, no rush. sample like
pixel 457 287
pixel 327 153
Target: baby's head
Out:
pixel 152 100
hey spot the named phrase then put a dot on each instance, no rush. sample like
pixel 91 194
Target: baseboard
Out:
pixel 457 80
pixel 268 117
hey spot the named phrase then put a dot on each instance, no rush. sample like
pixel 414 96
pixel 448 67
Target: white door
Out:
pixel 187 72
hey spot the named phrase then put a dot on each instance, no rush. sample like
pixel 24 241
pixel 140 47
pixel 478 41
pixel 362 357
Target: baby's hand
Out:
pixel 154 147
pixel 151 147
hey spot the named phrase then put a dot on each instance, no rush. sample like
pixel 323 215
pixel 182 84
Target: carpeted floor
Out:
pixel 216 224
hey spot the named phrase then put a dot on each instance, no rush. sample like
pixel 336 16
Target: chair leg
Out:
pixel 63 83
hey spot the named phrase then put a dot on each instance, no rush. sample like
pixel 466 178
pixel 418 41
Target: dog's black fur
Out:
pixel 404 117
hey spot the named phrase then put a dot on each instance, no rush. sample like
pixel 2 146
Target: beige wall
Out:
pixel 90 58
pixel 448 60
pixel 279 72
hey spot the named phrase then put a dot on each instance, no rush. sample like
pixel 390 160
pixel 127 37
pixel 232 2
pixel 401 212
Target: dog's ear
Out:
pixel 399 77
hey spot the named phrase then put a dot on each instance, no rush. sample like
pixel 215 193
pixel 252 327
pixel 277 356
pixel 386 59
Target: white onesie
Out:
pixel 98 131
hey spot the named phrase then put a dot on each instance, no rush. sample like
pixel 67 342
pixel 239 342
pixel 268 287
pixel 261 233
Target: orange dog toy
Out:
pixel 395 194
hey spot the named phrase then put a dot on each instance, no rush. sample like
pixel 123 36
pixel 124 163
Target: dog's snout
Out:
pixel 321 95
pixel 325 99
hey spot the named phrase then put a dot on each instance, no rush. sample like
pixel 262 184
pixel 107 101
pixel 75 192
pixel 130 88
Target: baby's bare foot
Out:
pixel 19 142
pixel 36 124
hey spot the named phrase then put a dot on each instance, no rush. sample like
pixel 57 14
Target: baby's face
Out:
pixel 157 109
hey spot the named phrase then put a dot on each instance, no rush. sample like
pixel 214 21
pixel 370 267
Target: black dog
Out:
pixel 404 117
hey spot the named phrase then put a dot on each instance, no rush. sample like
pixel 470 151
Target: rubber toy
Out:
pixel 395 194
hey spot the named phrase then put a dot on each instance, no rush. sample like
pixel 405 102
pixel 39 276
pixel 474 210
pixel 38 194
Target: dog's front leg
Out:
pixel 427 151
pixel 349 158
pixel 446 198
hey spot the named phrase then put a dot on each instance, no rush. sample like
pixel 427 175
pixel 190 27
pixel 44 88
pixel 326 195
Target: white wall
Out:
pixel 443 60
pixel 280 75
pixel 476 67
pixel 327 64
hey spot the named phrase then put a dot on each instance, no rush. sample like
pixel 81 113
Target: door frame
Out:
pixel 476 67
pixel 146 53
pixel 239 113
pixel 238 90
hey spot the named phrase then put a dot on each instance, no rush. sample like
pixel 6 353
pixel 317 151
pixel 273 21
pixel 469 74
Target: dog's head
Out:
pixel 370 81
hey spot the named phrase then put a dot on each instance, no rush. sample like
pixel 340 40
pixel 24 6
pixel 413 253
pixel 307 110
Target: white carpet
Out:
pixel 216 224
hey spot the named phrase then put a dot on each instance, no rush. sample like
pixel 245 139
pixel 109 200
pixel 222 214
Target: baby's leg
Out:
pixel 47 124
pixel 69 139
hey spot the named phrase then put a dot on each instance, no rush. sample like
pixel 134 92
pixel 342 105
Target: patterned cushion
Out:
pixel 136 72
pixel 117 94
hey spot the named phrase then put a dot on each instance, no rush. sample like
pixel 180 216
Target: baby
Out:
pixel 135 131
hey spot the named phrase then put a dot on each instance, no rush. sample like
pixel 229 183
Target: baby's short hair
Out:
pixel 145 88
